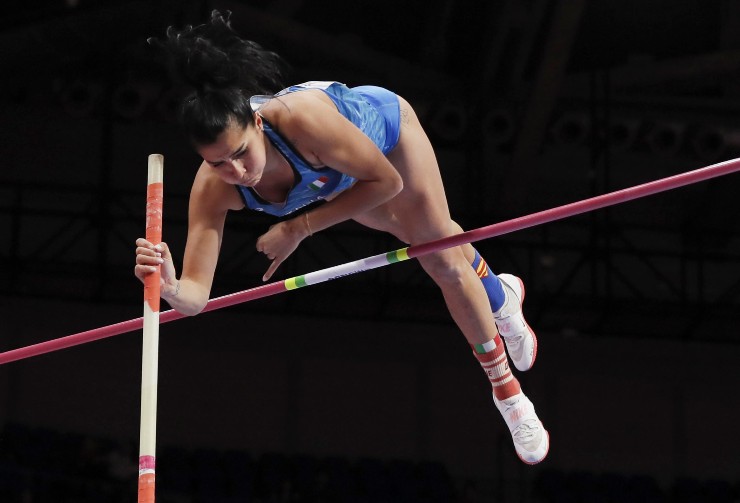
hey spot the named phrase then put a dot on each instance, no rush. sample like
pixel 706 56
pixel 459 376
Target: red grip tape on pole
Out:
pixel 154 198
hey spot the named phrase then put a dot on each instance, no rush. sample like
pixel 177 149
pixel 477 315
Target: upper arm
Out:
pixel 317 128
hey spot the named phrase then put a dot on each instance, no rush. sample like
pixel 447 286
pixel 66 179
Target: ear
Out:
pixel 258 121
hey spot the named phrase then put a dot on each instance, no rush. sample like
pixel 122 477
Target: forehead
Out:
pixel 227 142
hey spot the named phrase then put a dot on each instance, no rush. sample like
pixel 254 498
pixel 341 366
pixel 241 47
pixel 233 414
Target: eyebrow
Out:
pixel 236 152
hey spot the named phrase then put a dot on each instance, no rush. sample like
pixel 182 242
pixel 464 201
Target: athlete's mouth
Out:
pixel 249 181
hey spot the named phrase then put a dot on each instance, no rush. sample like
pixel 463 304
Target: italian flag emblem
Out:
pixel 318 183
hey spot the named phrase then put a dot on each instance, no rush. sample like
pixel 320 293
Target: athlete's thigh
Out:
pixel 421 207
pixel 383 219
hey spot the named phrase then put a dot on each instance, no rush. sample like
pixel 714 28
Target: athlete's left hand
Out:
pixel 279 242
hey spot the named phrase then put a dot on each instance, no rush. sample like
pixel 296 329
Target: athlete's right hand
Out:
pixel 148 257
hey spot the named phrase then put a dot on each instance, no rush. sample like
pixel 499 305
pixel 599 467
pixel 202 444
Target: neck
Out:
pixel 274 159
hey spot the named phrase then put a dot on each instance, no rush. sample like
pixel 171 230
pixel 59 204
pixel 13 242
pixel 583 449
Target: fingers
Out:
pixel 146 249
pixel 142 271
pixel 260 244
pixel 277 244
pixel 271 270
pixel 149 257
pixel 164 250
pixel 146 264
pixel 276 261
pixel 273 266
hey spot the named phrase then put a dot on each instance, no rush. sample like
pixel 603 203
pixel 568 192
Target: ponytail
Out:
pixel 221 71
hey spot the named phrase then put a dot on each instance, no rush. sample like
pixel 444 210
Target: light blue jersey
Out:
pixel 374 110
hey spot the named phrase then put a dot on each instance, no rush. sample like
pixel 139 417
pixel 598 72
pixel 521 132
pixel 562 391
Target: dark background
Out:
pixel 530 104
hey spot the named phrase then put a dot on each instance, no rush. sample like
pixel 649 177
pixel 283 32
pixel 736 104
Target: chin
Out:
pixel 249 183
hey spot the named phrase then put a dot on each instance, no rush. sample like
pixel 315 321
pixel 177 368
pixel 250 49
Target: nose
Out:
pixel 236 168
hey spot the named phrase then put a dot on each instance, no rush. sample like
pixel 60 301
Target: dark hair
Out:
pixel 221 72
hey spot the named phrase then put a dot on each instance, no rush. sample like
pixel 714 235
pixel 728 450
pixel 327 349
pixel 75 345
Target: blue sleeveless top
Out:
pixel 372 109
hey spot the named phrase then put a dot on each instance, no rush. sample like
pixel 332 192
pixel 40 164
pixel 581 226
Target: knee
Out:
pixel 447 271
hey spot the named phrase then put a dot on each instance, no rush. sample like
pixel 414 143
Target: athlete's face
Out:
pixel 238 154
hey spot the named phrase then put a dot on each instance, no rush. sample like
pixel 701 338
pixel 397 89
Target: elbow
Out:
pixel 189 301
pixel 196 307
pixel 395 185
pixel 190 310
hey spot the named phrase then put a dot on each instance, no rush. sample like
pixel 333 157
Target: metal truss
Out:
pixel 613 273
pixel 587 276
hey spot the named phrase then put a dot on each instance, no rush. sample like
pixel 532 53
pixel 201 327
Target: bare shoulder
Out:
pixel 299 111
pixel 212 195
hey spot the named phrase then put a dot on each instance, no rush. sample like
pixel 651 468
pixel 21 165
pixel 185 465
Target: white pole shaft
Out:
pixel 150 344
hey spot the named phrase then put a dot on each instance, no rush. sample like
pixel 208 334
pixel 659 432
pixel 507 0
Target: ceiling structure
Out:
pixel 531 104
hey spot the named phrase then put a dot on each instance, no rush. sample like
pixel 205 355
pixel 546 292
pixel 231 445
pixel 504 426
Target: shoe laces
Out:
pixel 506 310
pixel 511 303
pixel 514 339
pixel 526 432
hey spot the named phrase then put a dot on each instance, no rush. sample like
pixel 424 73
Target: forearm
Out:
pixel 361 197
pixel 186 297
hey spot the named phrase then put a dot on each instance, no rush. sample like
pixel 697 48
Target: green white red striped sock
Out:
pixel 492 358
